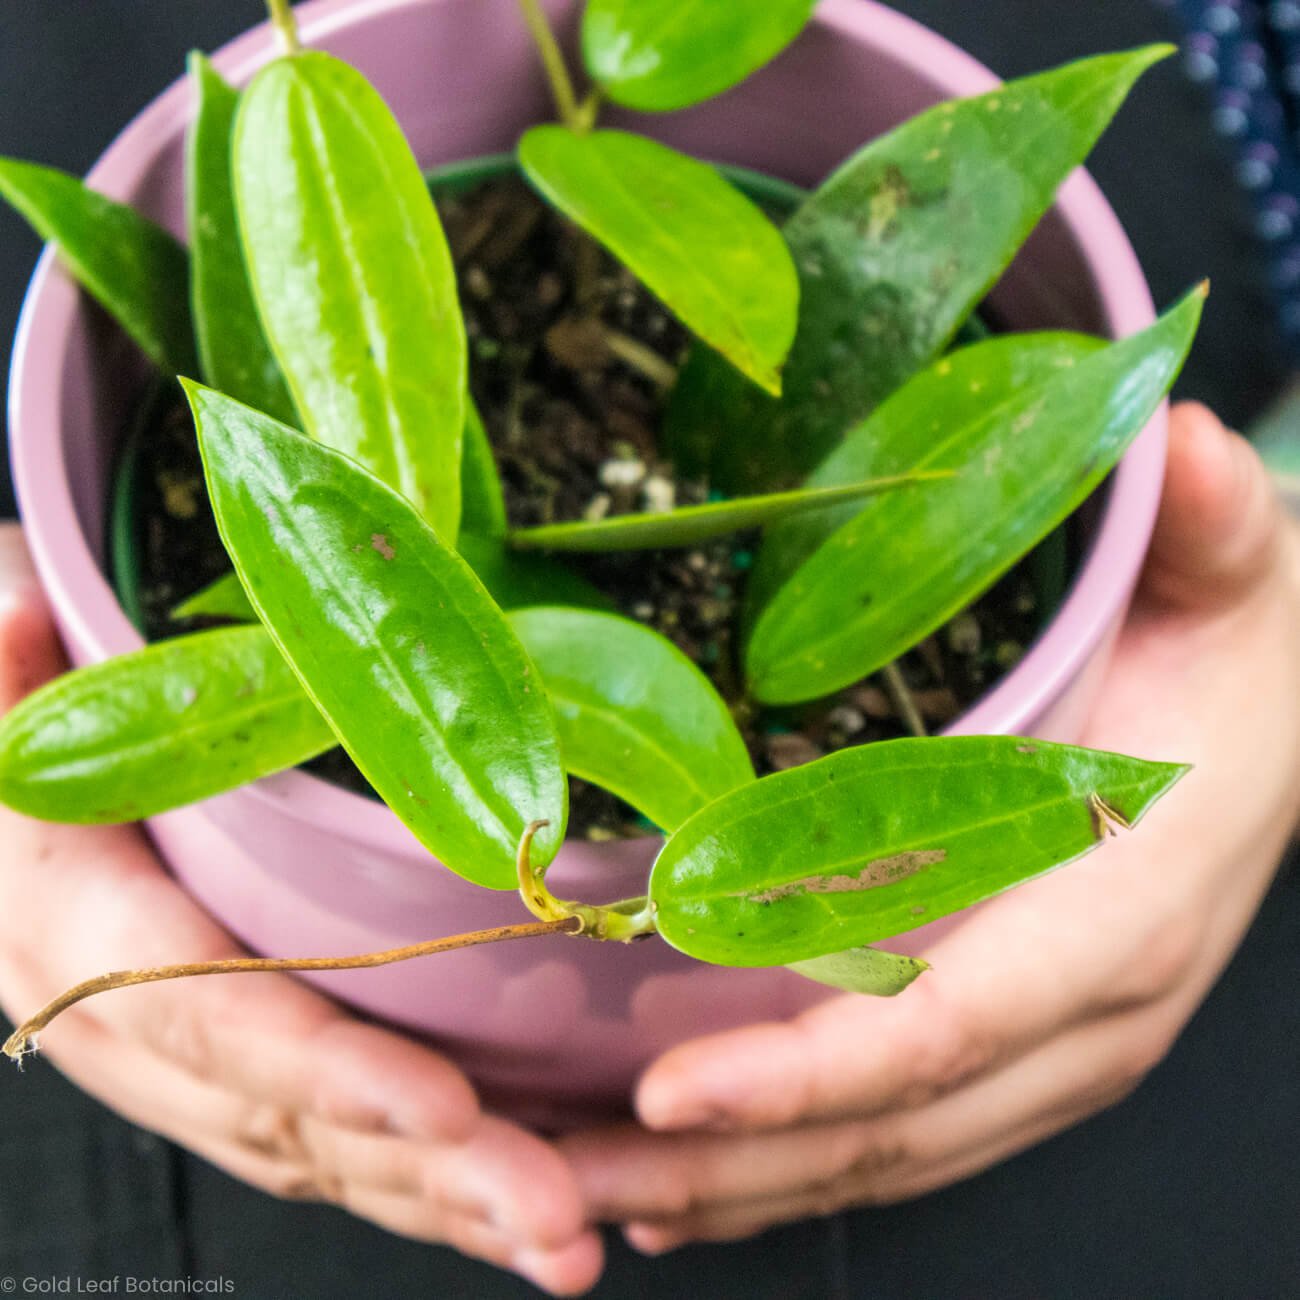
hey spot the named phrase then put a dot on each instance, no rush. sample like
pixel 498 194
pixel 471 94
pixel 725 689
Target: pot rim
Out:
pixel 94 620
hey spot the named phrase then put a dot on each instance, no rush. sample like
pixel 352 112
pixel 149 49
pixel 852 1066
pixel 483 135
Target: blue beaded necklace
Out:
pixel 1248 54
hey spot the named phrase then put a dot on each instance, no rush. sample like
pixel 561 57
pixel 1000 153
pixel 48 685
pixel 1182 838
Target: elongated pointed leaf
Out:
pixel 134 268
pixel 894 251
pixel 352 277
pixel 394 639
pixel 875 840
pixel 483 506
pixel 162 727
pixel 665 54
pixel 693 239
pixel 635 715
pixel 891 575
pixel 959 412
pixel 863 970
pixel 692 524
pixel 233 350
pixel 223 598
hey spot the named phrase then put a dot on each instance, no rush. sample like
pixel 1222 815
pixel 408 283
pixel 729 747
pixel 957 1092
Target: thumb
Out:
pixel 30 653
pixel 1220 525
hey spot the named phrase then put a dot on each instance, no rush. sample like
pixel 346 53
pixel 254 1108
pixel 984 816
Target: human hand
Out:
pixel 273 1083
pixel 1054 1000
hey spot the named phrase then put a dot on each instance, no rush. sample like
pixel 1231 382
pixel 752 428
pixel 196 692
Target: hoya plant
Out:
pixel 381 599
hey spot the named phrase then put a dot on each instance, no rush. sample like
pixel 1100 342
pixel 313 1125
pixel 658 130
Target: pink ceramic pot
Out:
pixel 557 1028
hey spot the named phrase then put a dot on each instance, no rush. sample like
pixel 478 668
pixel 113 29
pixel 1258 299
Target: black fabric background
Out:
pixel 1187 1190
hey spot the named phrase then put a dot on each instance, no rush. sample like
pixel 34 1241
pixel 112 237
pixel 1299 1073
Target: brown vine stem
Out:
pixel 21 1041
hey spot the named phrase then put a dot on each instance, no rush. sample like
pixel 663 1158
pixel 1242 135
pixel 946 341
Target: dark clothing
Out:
pixel 1186 1190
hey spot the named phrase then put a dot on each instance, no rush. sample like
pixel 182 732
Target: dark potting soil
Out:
pixel 570 363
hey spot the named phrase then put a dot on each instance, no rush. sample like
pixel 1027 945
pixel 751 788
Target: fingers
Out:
pixel 501 1187
pixel 713 1185
pixel 1220 522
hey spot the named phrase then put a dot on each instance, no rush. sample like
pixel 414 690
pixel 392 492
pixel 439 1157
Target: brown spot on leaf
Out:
pixel 877 873
pixel 1026 749
pixel 380 543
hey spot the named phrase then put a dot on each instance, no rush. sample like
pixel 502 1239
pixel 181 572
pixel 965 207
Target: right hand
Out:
pixel 268 1080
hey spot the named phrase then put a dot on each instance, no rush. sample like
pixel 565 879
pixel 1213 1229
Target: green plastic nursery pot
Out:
pixel 554 1030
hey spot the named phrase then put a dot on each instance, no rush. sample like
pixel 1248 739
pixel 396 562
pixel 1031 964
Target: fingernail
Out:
pixel 647 1238
pixel 668 1114
pixel 538 1266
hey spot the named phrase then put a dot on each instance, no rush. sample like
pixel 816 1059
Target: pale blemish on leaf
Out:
pixel 380 543
pixel 880 872
pixel 1106 818
pixel 1026 749
pixel 885 203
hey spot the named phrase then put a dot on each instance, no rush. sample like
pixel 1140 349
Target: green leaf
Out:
pixel 694 239
pixel 134 268
pixel 894 251
pixel 152 730
pixel 394 639
pixel 483 507
pixel 908 562
pixel 665 54
pixel 352 277
pixel 958 412
pixel 875 840
pixel 635 715
pixel 515 581
pixel 223 598
pixel 692 524
pixel 863 970
pixel 233 350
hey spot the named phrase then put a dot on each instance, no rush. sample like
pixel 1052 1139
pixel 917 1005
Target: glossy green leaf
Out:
pixel 352 277
pixel 863 970
pixel 875 840
pixel 692 238
pixel 393 637
pixel 164 726
pixel 223 598
pixel 894 251
pixel 233 350
pixel 483 505
pixel 958 411
pixel 134 268
pixel 665 54
pixel 906 563
pixel 515 581
pixel 692 524
pixel 635 715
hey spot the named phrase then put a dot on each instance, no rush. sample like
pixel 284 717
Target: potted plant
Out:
pixel 293 867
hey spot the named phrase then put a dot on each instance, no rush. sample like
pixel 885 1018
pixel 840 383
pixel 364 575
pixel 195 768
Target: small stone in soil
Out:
pixel 790 750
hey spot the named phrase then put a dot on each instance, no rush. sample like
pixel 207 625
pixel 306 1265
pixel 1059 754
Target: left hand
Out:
pixel 1054 1000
